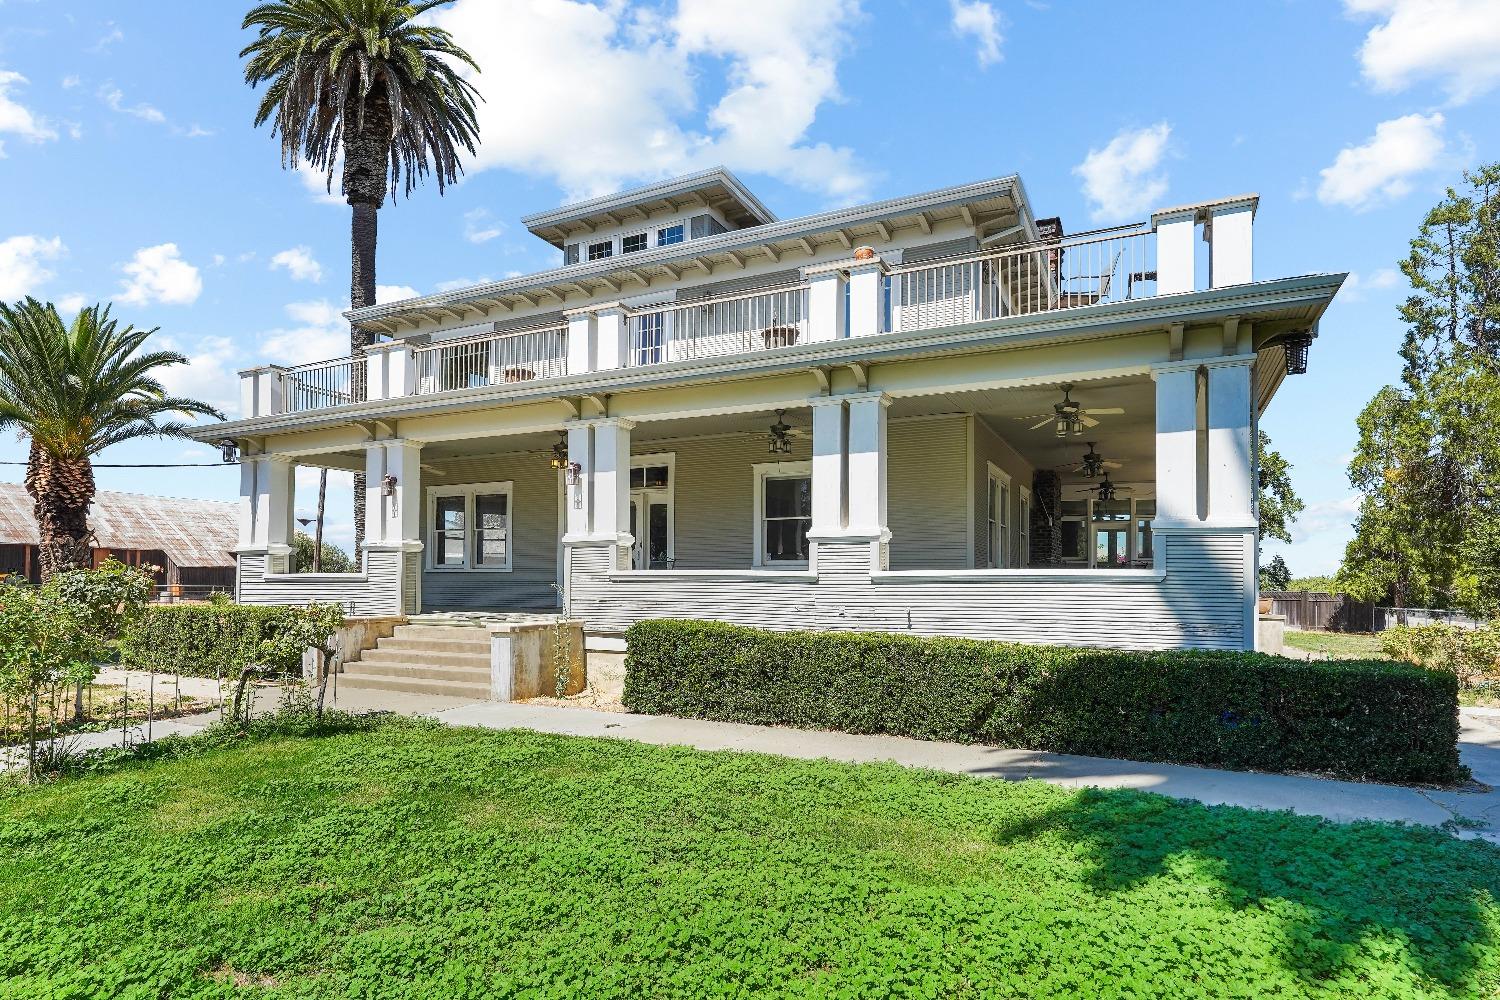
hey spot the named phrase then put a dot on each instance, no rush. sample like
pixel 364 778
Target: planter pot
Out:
pixel 1265 604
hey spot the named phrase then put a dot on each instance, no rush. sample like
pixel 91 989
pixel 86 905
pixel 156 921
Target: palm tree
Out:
pixel 358 78
pixel 74 391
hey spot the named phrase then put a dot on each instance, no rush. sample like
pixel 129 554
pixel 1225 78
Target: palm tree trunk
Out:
pixel 318 525
pixel 62 491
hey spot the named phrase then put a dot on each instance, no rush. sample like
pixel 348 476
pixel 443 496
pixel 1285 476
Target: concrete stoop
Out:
pixel 450 660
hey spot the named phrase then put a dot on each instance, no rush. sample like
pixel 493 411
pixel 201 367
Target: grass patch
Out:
pixel 407 860
pixel 1339 645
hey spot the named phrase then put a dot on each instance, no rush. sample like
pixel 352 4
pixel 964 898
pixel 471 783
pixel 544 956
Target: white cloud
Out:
pixel 1325 516
pixel 112 34
pixel 1454 41
pixel 394 293
pixel 299 262
pixel 977 18
pixel 479 228
pixel 610 94
pixel 71 80
pixel 22 267
pixel 15 117
pixel 1357 285
pixel 315 182
pixel 69 304
pixel 319 332
pixel 1123 179
pixel 1382 168
pixel 454 284
pixel 114 98
pixel 159 274
pixel 211 374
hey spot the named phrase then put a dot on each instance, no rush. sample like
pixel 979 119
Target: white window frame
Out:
pixel 997 502
pixel 1023 528
pixel 589 249
pixel 469 491
pixel 664 229
pixel 669 459
pixel 762 472
pixel 645 235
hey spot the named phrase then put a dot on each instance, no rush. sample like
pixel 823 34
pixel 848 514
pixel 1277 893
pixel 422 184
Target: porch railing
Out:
pixel 1109 265
pixel 322 384
pixel 492 359
pixel 761 320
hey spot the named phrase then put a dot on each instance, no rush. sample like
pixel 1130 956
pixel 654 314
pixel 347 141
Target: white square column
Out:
pixel 1174 249
pixel 828 425
pixel 576 493
pixel 580 342
pixel 826 312
pixel 280 476
pixel 612 480
pixel 866 296
pixel 611 338
pixel 1231 454
pixel 250 501
pixel 1231 241
pixel 1176 443
pixel 867 466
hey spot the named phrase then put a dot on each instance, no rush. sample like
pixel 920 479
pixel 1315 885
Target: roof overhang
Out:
pixel 991 207
pixel 716 188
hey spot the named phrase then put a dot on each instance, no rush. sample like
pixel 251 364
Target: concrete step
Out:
pixel 441 632
pixel 426 657
pixel 430 671
pixel 416 685
pixel 479 647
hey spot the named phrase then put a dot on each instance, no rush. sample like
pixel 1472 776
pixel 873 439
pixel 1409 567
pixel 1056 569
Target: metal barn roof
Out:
pixel 197 533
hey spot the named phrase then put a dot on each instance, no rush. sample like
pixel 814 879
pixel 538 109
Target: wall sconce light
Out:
pixel 229 451
pixel 388 486
pixel 779 439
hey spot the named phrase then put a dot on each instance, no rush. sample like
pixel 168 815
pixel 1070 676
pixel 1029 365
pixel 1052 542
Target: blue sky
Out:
pixel 131 172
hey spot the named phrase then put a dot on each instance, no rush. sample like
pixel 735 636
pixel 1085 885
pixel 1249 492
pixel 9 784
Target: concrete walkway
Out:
pixel 1469 813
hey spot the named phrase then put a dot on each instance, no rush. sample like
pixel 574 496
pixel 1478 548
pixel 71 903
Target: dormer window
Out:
pixel 669 235
pixel 599 251
pixel 634 243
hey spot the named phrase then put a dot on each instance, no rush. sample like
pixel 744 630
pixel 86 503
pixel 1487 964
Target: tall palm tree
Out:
pixel 74 391
pixel 358 78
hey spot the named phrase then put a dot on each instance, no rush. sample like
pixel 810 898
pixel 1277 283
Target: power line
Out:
pixel 149 465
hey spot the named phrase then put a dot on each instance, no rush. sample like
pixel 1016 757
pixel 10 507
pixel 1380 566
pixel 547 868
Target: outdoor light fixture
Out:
pixel 388 486
pixel 1093 463
pixel 229 451
pixel 560 451
pixel 1106 489
pixel 1296 346
pixel 779 439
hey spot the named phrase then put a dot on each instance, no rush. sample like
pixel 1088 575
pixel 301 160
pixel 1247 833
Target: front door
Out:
pixel 651 527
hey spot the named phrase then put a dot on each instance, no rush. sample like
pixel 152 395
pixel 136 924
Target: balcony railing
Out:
pixel 492 359
pixel 1092 268
pixel 323 384
pixel 762 320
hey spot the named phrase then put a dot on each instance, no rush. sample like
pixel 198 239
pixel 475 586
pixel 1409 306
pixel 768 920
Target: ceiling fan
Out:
pixel 1107 490
pixel 1093 464
pixel 1069 416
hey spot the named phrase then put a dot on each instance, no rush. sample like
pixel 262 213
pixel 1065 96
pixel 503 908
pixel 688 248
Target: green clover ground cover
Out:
pixel 407 860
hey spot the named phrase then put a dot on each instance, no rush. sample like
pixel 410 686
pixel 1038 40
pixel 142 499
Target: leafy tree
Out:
pixel 1275 575
pixel 1315 584
pixel 1278 502
pixel 74 391
pixel 361 81
pixel 1428 460
pixel 334 559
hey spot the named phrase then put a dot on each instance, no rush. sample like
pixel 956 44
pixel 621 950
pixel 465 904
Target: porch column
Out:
pixel 576 484
pixel 580 341
pixel 250 501
pixel 1231 456
pixel 280 476
pixel 828 423
pixel 826 314
pixel 612 337
pixel 867 472
pixel 866 294
pixel 1176 442
pixel 1174 249
pixel 612 480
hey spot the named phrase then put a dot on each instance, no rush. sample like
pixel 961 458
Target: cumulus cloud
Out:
pixel 23 267
pixel 1124 178
pixel 299 262
pixel 979 20
pixel 1357 286
pixel 315 183
pixel 1455 42
pixel 1382 168
pixel 480 228
pixel 212 371
pixel 1325 516
pixel 394 293
pixel 317 329
pixel 159 274
pixel 611 98
pixel 15 117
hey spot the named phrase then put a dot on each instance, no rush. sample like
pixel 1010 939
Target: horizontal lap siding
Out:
pixel 378 594
pixel 534 498
pixel 715 495
pixel 926 483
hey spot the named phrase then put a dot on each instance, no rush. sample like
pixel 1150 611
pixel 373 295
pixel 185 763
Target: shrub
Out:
pixel 220 639
pixel 1471 654
pixel 1365 719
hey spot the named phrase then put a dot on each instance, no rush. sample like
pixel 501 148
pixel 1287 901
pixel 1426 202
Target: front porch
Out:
pixel 954 512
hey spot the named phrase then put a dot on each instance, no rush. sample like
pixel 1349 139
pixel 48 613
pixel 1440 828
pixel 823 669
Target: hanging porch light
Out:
pixel 1106 489
pixel 560 451
pixel 779 440
pixel 1093 463
pixel 1296 347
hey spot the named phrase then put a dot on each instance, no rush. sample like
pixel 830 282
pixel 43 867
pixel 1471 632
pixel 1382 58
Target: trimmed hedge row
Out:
pixel 1373 720
pixel 203 640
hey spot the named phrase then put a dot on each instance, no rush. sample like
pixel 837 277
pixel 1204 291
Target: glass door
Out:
pixel 651 527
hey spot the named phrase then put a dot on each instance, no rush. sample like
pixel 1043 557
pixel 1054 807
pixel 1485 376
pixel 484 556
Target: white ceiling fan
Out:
pixel 1070 416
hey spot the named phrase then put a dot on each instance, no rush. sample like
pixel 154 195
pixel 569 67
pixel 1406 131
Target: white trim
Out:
pixel 997 529
pixel 469 491
pixel 1080 575
pixel 759 474
pixel 669 459
pixel 1023 527
pixel 645 575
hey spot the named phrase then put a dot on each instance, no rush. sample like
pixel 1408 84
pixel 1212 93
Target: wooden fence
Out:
pixel 1311 610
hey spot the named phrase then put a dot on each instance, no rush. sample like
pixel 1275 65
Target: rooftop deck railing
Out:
pixel 1109 265
pixel 322 384
pixel 492 359
pixel 759 320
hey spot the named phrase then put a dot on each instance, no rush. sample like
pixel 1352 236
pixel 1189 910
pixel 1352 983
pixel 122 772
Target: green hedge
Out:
pixel 202 640
pixel 1365 719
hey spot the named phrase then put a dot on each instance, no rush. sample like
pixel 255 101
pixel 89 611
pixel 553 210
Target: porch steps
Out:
pixel 432 659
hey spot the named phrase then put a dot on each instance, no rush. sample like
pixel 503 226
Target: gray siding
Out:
pixel 375 592
pixel 715 495
pixel 991 447
pixel 534 534
pixel 926 492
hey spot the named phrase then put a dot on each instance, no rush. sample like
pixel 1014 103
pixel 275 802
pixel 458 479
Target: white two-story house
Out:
pixel 936 414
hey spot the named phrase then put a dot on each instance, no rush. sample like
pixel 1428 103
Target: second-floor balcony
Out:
pixel 863 295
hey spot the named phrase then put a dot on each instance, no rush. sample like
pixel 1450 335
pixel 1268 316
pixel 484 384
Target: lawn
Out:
pixel 413 861
pixel 1339 645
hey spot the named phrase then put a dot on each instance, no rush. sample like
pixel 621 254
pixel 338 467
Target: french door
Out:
pixel 651 527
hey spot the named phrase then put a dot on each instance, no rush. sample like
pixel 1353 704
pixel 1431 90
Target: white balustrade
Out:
pixel 491 359
pixel 760 320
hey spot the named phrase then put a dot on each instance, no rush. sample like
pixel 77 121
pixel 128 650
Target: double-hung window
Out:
pixel 783 513
pixel 668 235
pixel 469 527
pixel 634 243
pixel 1023 529
pixel 599 251
pixel 998 502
